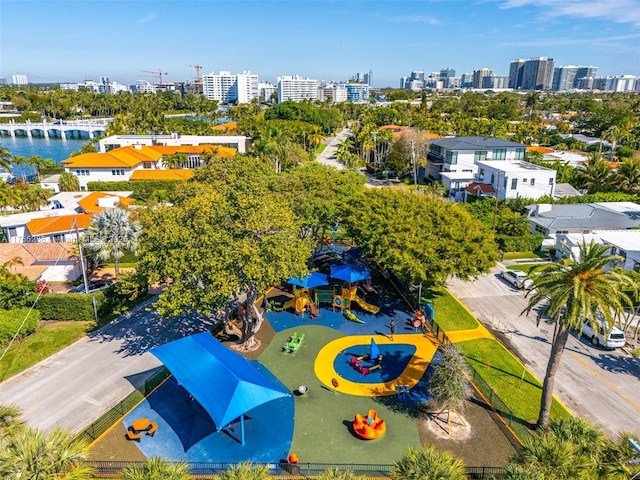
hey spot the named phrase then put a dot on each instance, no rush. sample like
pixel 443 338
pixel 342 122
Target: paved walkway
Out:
pixel 328 155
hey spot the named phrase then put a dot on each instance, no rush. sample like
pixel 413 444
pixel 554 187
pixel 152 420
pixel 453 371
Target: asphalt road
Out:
pixel 328 155
pixel 599 385
pixel 75 386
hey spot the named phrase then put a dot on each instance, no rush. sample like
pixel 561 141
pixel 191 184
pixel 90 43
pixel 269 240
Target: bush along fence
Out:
pixel 211 470
pixel 118 411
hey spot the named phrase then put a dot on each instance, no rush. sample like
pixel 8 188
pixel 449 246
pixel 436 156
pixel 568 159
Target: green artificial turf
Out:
pixel 47 340
pixel 322 417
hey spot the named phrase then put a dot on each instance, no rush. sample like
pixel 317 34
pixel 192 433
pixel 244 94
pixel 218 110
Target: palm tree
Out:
pixel 157 468
pixel 111 233
pixel 570 291
pixel 595 176
pixel 5 158
pixel 338 474
pixel 245 471
pixel 34 454
pixel 428 464
pixel 628 175
pixel 9 416
pixel 68 182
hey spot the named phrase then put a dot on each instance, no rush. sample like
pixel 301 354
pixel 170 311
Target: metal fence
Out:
pixel 208 470
pixel 119 410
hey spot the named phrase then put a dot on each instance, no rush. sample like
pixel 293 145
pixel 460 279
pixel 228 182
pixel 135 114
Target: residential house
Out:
pixel 462 154
pixel 625 243
pixel 14 227
pixel 53 262
pixel 239 143
pixel 517 179
pixel 65 228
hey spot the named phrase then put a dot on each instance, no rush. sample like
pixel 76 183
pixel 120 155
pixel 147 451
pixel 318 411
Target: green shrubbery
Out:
pixel 159 190
pixel 69 306
pixel 11 321
pixel 524 243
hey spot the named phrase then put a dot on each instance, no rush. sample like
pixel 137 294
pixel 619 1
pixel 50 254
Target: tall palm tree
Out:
pixel 157 468
pixel 429 464
pixel 595 175
pixel 34 454
pixel 570 291
pixel 628 175
pixel 111 233
pixel 5 158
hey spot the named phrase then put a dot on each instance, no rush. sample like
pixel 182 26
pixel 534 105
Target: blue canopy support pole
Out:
pixel 242 429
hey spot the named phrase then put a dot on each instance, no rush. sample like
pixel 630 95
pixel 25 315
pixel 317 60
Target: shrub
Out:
pixel 159 190
pixel 11 321
pixel 524 243
pixel 70 306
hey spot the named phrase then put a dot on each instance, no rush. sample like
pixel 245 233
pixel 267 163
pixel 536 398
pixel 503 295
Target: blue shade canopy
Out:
pixel 350 273
pixel 222 381
pixel 375 351
pixel 313 280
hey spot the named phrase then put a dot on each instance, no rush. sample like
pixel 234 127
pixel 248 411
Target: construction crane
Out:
pixel 157 74
pixel 198 70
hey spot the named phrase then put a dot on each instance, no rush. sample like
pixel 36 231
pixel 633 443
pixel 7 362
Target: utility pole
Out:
pixel 82 265
pixel 495 210
pixel 413 163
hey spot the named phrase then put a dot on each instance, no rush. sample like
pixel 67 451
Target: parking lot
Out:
pixel 600 385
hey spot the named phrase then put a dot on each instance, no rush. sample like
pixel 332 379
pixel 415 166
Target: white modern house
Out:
pixel 297 88
pixel 238 142
pixel 462 154
pixel 517 179
pixel 625 243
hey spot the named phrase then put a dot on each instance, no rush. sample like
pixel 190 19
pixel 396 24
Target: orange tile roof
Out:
pixel 44 226
pixel 537 148
pixel 90 203
pixel 225 127
pixel 215 149
pixel 123 157
pixel 161 174
pixel 29 253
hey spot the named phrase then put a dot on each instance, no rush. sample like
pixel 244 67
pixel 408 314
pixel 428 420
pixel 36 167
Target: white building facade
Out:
pixel 228 88
pixel 297 88
pixel 517 179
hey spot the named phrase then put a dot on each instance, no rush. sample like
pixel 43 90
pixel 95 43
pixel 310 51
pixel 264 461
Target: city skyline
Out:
pixel 324 40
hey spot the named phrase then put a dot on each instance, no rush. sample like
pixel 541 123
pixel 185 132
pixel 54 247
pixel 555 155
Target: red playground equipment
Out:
pixel 369 427
pixel 368 363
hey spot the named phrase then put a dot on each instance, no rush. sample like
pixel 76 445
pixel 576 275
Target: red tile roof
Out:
pixel 476 188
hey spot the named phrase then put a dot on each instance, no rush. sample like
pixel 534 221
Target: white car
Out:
pixel 602 336
pixel 518 279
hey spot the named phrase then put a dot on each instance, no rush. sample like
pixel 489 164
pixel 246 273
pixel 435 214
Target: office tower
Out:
pixel 566 78
pixel 515 73
pixel 403 82
pixel 417 75
pixel 478 75
pixel 3 80
pixel 495 82
pixel 537 73
pixel 368 77
pixel 585 72
pixel 227 88
pixel 466 81
pixel 446 74
pixel 19 79
pixel 297 88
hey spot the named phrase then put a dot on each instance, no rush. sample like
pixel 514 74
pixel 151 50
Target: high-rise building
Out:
pixel 478 75
pixel 297 88
pixel 417 75
pixel 515 73
pixel 357 92
pixel 495 82
pixel 446 74
pixel 267 91
pixel 19 79
pixel 368 77
pixel 566 78
pixel 3 80
pixel 466 81
pixel 227 88
pixel 536 74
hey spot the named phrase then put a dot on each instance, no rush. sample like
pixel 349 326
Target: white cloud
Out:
pixel 618 11
pixel 416 19
pixel 147 19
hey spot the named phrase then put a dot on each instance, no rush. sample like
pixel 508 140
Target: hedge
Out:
pixel 11 321
pixel 524 243
pixel 70 306
pixel 142 190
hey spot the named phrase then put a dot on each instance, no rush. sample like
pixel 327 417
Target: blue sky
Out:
pixel 56 40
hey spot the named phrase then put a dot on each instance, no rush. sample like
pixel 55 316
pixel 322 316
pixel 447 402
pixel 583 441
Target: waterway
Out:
pixel 54 148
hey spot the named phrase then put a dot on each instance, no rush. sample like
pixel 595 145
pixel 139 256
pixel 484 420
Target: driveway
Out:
pixel 75 386
pixel 601 386
pixel 328 155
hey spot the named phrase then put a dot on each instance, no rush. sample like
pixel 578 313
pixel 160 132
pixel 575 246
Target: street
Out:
pixel 599 385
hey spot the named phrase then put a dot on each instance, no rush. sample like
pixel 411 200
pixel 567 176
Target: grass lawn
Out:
pixel 49 339
pixel 521 255
pixel 527 267
pixel 449 312
pixel 320 148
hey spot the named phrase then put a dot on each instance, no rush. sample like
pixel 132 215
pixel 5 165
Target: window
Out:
pixel 451 158
pixel 533 182
pixel 481 174
pixel 514 183
pixel 13 232
pixel 82 173
pixel 519 154
pixel 479 156
pixel 493 178
pixel 499 153
pixel 117 173
pixel 551 181
pixel 524 180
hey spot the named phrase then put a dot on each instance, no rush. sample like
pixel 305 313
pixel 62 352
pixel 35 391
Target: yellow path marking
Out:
pixel 607 381
pixel 462 335
pixel 416 367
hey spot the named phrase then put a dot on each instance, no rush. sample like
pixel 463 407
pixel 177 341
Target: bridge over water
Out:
pixel 56 129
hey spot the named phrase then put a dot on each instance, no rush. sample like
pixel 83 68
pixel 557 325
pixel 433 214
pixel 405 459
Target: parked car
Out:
pixel 517 279
pixel 600 334
pixel 94 286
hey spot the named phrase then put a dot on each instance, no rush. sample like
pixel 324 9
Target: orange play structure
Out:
pixel 370 427
pixel 299 302
pixel 349 295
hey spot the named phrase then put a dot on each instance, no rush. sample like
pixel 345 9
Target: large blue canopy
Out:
pixel 222 381
pixel 313 280
pixel 350 273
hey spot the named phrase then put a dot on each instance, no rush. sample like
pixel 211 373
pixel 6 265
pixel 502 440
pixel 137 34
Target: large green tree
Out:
pixel 6 159
pixel 227 239
pixel 418 236
pixel 568 292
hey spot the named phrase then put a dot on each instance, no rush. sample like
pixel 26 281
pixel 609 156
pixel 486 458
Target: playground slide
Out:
pixel 367 307
pixel 300 303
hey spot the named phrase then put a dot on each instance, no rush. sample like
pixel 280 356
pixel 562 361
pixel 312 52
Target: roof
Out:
pixel 562 190
pixel 35 257
pixel 195 149
pixel 91 203
pixel 45 226
pixel 538 148
pixel 458 175
pixel 586 216
pixel 477 188
pixel 225 127
pixel 17 219
pixel 162 174
pixel 474 143
pixel 514 166
pixel 223 382
pixel 123 157
pixel 71 200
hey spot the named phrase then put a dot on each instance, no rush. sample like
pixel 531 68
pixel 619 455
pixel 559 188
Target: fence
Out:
pixel 115 413
pixel 208 470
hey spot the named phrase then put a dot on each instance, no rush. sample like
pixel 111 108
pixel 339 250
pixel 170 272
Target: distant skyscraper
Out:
pixel 19 79
pixel 3 80
pixel 478 75
pixel 566 78
pixel 297 88
pixel 515 73
pixel 227 88
pixel 417 75
pixel 368 77
pixel 466 81
pixel 537 73
pixel 447 73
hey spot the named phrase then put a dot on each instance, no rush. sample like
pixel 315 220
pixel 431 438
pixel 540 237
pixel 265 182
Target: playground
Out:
pixel 328 384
